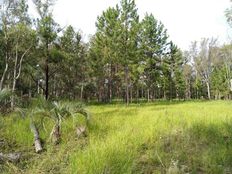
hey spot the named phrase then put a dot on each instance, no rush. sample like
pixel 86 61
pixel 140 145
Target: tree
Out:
pixel 6 22
pixel 17 40
pixel 204 61
pixel 176 65
pixel 188 75
pixel 23 39
pixel 47 30
pixel 153 46
pixel 104 52
pixel 226 52
pixel 75 63
pixel 129 20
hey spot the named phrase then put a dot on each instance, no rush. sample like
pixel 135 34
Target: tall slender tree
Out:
pixel 129 19
pixel 153 47
pixel 47 30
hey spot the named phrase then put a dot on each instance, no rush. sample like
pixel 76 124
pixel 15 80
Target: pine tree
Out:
pixel 47 30
pixel 153 46
pixel 128 40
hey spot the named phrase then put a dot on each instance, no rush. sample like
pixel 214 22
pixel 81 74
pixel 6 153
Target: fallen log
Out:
pixel 10 157
pixel 37 142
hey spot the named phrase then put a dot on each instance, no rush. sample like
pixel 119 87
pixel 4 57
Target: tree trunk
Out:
pixel 16 75
pixel 30 91
pixel 153 95
pixel 137 94
pixel 47 71
pixel 4 75
pixel 110 83
pixel 14 78
pixel 127 84
pixel 110 90
pixel 131 94
pixel 37 142
pixel 82 89
pixel 55 134
pixel 208 90
pixel 148 95
pixel 46 80
pixel 142 93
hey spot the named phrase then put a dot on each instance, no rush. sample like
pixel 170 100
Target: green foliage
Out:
pixel 153 46
pixel 5 98
pixel 47 28
pixel 5 94
pixel 220 84
pixel 58 112
pixel 128 58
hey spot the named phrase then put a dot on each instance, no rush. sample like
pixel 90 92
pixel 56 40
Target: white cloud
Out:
pixel 186 20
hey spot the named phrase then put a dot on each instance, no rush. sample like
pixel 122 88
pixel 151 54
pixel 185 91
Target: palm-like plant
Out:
pixel 58 112
pixel 5 98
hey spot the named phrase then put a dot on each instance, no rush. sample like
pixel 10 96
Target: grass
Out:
pixel 160 137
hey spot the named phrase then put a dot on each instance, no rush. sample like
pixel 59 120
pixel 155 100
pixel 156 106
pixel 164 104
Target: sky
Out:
pixel 185 20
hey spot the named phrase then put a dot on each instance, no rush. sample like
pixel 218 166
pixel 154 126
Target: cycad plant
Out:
pixel 5 98
pixel 58 112
pixel 61 111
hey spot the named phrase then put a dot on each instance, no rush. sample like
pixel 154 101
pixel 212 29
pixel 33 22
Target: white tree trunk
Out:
pixel 37 142
pixel 3 76
pixel 82 89
pixel 12 157
pixel 16 75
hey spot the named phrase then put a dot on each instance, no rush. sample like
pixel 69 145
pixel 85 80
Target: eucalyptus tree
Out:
pixel 188 75
pixel 226 55
pixel 23 40
pixel 17 40
pixel 204 61
pixel 221 74
pixel 197 82
pixel 6 23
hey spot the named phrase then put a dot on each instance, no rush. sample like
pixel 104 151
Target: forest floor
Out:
pixel 160 137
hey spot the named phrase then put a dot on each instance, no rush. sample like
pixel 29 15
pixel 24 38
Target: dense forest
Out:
pixel 128 58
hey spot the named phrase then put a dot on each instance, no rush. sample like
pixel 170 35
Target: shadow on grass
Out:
pixel 145 103
pixel 202 148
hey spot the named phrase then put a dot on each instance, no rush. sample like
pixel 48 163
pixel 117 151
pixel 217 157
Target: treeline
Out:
pixel 128 58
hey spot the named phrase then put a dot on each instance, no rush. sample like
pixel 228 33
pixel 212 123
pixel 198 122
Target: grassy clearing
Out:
pixel 162 137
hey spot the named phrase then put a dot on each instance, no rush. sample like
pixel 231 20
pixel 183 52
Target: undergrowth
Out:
pixel 179 137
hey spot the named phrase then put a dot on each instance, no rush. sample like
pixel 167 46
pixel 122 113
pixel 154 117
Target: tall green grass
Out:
pixel 161 137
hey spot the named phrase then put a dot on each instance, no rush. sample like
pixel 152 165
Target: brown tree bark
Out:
pixel 127 84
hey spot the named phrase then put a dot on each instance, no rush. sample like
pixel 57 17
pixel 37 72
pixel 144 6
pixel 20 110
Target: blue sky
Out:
pixel 186 20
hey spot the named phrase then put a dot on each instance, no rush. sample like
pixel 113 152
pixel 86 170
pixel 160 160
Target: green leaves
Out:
pixel 5 94
pixel 58 110
pixel 47 29
pixel 5 98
